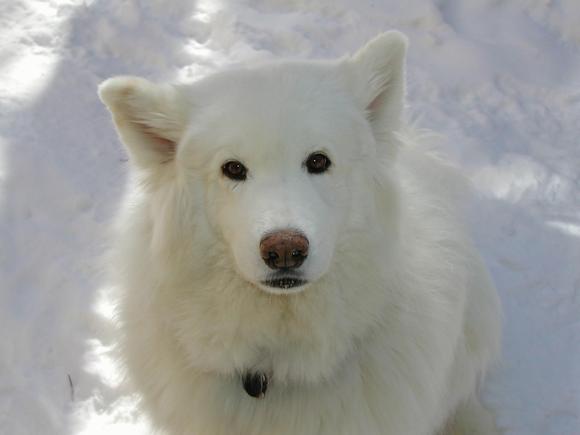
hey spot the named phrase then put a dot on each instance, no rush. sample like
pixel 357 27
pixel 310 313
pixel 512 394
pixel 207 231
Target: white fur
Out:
pixel 399 320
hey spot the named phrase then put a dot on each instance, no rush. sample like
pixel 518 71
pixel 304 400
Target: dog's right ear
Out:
pixel 150 118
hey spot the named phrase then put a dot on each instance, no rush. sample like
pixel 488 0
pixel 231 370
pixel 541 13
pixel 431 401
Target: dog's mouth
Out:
pixel 285 282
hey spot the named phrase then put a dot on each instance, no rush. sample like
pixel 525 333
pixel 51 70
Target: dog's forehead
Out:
pixel 289 107
pixel 285 83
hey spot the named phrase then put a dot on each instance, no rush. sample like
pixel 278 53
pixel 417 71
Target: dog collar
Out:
pixel 255 384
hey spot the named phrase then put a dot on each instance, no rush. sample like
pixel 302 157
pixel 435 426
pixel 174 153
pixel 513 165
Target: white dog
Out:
pixel 290 261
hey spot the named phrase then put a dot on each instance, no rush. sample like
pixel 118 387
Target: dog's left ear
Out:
pixel 378 80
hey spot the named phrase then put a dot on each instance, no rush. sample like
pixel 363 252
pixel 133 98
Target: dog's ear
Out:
pixel 378 80
pixel 150 118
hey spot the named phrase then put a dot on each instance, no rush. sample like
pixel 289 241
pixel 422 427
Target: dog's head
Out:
pixel 284 155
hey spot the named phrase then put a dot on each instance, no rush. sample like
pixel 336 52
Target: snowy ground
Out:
pixel 501 79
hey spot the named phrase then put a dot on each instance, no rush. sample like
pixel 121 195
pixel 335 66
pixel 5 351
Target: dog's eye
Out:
pixel 317 163
pixel 234 170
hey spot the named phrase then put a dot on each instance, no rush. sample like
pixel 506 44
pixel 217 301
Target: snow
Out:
pixel 500 81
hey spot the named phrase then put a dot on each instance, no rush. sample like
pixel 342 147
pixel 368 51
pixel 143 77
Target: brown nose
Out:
pixel 284 249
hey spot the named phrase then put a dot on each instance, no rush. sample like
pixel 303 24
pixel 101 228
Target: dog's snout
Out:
pixel 284 249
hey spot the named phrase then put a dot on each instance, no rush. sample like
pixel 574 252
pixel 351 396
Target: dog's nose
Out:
pixel 284 249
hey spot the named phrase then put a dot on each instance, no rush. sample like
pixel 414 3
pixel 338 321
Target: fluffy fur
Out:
pixel 398 321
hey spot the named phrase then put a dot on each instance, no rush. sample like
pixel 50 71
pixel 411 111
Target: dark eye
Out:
pixel 317 163
pixel 234 170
